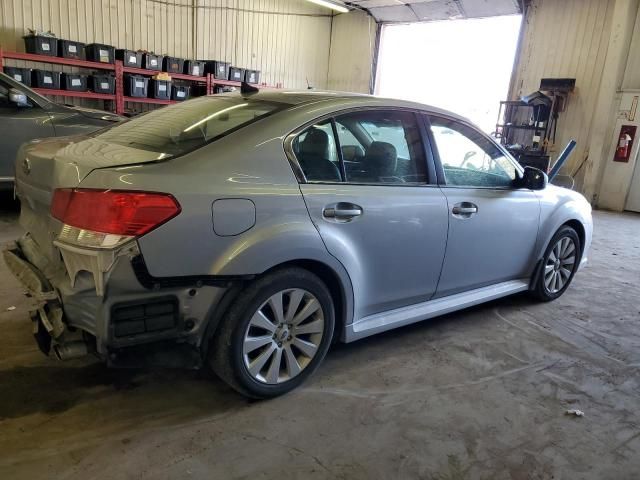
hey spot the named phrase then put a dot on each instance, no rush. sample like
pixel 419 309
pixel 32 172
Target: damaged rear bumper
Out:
pixel 47 313
pixel 86 306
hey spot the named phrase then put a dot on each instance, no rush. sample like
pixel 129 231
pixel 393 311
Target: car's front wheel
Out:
pixel 275 334
pixel 559 264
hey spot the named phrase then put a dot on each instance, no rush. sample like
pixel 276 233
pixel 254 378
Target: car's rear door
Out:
pixel 380 213
pixel 493 224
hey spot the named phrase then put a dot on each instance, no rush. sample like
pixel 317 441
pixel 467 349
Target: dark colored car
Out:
pixel 26 115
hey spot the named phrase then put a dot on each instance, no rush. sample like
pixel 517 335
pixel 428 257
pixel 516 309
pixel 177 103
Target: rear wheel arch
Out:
pixel 326 273
pixel 332 281
pixel 252 348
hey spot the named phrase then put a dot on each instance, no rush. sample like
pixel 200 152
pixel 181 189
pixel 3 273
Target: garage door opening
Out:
pixel 460 65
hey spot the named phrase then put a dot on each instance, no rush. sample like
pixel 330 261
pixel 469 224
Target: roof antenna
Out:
pixel 246 88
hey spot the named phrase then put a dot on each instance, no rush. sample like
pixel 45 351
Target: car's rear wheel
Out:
pixel 559 265
pixel 275 334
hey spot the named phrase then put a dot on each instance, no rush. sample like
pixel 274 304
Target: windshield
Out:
pixel 184 127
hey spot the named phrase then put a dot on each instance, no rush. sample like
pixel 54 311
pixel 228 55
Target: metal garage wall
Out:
pixel 288 40
pixel 160 26
pixel 353 40
pixel 567 38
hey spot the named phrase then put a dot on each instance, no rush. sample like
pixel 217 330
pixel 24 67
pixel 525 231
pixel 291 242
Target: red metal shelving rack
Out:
pixel 30 57
pixel 73 93
pixel 119 70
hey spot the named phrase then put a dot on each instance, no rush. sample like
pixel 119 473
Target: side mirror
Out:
pixel 534 179
pixel 18 98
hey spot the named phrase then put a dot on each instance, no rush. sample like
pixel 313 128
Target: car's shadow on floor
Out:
pixel 9 206
pixel 56 388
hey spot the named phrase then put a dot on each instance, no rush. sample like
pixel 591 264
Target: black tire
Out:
pixel 226 356
pixel 540 290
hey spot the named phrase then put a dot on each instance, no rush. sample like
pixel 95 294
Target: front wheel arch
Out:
pixel 535 286
pixel 579 229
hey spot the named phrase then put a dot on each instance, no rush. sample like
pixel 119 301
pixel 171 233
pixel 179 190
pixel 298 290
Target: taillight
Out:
pixel 116 212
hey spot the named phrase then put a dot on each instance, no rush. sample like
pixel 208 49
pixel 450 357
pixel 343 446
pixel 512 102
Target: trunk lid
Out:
pixel 62 162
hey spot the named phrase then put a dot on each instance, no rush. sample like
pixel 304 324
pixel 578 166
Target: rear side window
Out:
pixel 393 152
pixel 317 153
pixel 184 127
pixel 367 147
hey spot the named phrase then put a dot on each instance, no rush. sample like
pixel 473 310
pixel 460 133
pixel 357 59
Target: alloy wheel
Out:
pixel 283 336
pixel 559 265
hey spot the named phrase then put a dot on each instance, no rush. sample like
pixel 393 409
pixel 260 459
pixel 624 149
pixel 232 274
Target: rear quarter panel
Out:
pixel 249 163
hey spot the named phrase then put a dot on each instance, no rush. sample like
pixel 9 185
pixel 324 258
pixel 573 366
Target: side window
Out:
pixel 469 158
pixel 315 149
pixel 4 96
pixel 391 149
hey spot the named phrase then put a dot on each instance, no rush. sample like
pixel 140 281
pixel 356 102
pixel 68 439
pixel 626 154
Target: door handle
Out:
pixel 464 209
pixel 342 211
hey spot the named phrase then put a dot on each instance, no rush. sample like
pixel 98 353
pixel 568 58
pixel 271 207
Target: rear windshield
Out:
pixel 184 127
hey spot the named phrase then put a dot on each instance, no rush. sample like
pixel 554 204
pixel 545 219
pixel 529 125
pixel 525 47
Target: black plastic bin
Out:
pixel 70 49
pixel 73 81
pixel 160 89
pixel 194 67
pixel 98 52
pixel 179 92
pixel 252 76
pixel 236 74
pixel 41 45
pixel 130 58
pixel 198 90
pixel 45 79
pixel 19 74
pixel 173 65
pixel 102 83
pixel 220 70
pixel 152 62
pixel 136 86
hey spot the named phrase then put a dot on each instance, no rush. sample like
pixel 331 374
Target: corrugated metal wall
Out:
pixel 288 40
pixel 160 26
pixel 567 38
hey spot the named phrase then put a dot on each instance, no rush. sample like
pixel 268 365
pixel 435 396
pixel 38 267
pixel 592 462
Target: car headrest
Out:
pixel 352 152
pixel 316 142
pixel 382 157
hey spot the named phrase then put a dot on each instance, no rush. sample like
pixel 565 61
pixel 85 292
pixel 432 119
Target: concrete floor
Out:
pixel 480 394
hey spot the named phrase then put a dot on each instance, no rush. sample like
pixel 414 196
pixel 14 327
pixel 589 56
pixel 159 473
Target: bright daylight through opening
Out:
pixel 459 65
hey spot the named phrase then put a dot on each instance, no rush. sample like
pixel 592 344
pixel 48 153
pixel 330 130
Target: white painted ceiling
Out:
pixel 432 10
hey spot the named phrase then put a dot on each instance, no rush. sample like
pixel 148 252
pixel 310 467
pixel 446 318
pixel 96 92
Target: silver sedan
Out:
pixel 250 231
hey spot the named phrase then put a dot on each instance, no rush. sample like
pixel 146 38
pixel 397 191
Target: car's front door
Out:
pixel 493 224
pixel 378 213
pixel 18 125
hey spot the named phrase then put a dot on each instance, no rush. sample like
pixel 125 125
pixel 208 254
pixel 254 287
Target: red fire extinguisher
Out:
pixel 625 143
